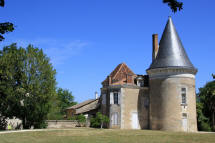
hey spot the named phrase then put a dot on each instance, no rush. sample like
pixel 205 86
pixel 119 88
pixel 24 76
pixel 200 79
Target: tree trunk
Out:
pixel 101 125
pixel 23 123
pixel 213 121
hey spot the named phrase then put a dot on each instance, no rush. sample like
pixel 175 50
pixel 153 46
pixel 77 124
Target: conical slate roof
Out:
pixel 171 52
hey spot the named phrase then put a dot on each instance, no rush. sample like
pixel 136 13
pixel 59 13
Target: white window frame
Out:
pixel 111 98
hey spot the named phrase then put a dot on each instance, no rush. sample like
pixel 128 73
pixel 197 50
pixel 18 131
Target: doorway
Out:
pixel 134 120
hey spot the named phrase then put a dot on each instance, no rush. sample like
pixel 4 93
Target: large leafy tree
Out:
pixel 27 84
pixel 207 98
pixel 6 26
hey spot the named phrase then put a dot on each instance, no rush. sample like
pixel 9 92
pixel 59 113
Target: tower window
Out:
pixel 183 96
pixel 184 115
pixel 115 96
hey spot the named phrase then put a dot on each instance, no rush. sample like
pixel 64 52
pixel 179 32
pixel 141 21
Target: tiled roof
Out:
pixel 120 72
pixel 88 107
pixel 81 104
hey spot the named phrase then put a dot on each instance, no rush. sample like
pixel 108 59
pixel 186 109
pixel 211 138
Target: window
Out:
pixel 114 119
pixel 183 96
pixel 184 115
pixel 115 96
pixel 140 83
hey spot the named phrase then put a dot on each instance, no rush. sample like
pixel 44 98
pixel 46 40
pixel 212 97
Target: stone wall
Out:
pixel 134 101
pixel 166 109
pixel 62 124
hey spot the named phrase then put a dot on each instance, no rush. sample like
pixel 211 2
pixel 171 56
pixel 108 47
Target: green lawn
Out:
pixel 83 135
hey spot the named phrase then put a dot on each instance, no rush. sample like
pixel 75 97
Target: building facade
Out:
pixel 164 99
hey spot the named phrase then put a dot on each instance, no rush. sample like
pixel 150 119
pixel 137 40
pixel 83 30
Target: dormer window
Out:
pixel 140 81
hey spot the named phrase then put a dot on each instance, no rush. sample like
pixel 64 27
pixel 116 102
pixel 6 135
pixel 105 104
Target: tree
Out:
pixel 65 99
pixel 60 102
pixel 99 120
pixel 27 84
pixel 202 121
pixel 174 5
pixel 2 3
pixel 6 26
pixel 207 98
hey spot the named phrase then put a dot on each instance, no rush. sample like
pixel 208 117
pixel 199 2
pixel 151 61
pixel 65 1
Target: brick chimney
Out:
pixel 154 46
pixel 109 80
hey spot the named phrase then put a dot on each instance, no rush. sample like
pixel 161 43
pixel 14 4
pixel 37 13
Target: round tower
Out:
pixel 172 85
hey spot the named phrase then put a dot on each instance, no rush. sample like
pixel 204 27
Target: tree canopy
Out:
pixel 65 99
pixel 2 3
pixel 175 5
pixel 27 84
pixel 207 98
pixel 60 102
pixel 6 26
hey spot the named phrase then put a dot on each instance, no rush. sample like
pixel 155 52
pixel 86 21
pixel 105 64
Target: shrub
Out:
pixel 80 118
pixel 3 123
pixel 99 120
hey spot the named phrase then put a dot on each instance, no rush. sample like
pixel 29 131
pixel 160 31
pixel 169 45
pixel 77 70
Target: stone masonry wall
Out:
pixel 134 100
pixel 165 104
pixel 62 123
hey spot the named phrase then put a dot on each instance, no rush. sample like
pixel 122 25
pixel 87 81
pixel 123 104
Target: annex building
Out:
pixel 164 99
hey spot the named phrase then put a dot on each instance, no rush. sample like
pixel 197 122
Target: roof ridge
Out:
pixel 121 65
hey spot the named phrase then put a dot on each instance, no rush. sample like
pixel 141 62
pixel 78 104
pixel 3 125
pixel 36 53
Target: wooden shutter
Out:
pixel 111 98
pixel 119 97
pixel 104 99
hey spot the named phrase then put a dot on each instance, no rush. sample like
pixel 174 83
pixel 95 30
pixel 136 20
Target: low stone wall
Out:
pixel 62 124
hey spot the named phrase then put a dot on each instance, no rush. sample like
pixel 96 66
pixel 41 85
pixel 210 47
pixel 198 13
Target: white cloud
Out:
pixel 59 51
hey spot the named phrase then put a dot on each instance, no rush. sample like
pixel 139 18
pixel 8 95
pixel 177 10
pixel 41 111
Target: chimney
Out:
pixel 96 95
pixel 109 80
pixel 154 46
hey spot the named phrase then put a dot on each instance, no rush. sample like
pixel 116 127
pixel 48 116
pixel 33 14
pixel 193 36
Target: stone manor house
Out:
pixel 164 99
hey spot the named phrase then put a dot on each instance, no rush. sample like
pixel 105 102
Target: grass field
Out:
pixel 106 136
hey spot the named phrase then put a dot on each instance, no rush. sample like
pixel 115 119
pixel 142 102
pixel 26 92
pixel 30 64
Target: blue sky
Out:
pixel 87 39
